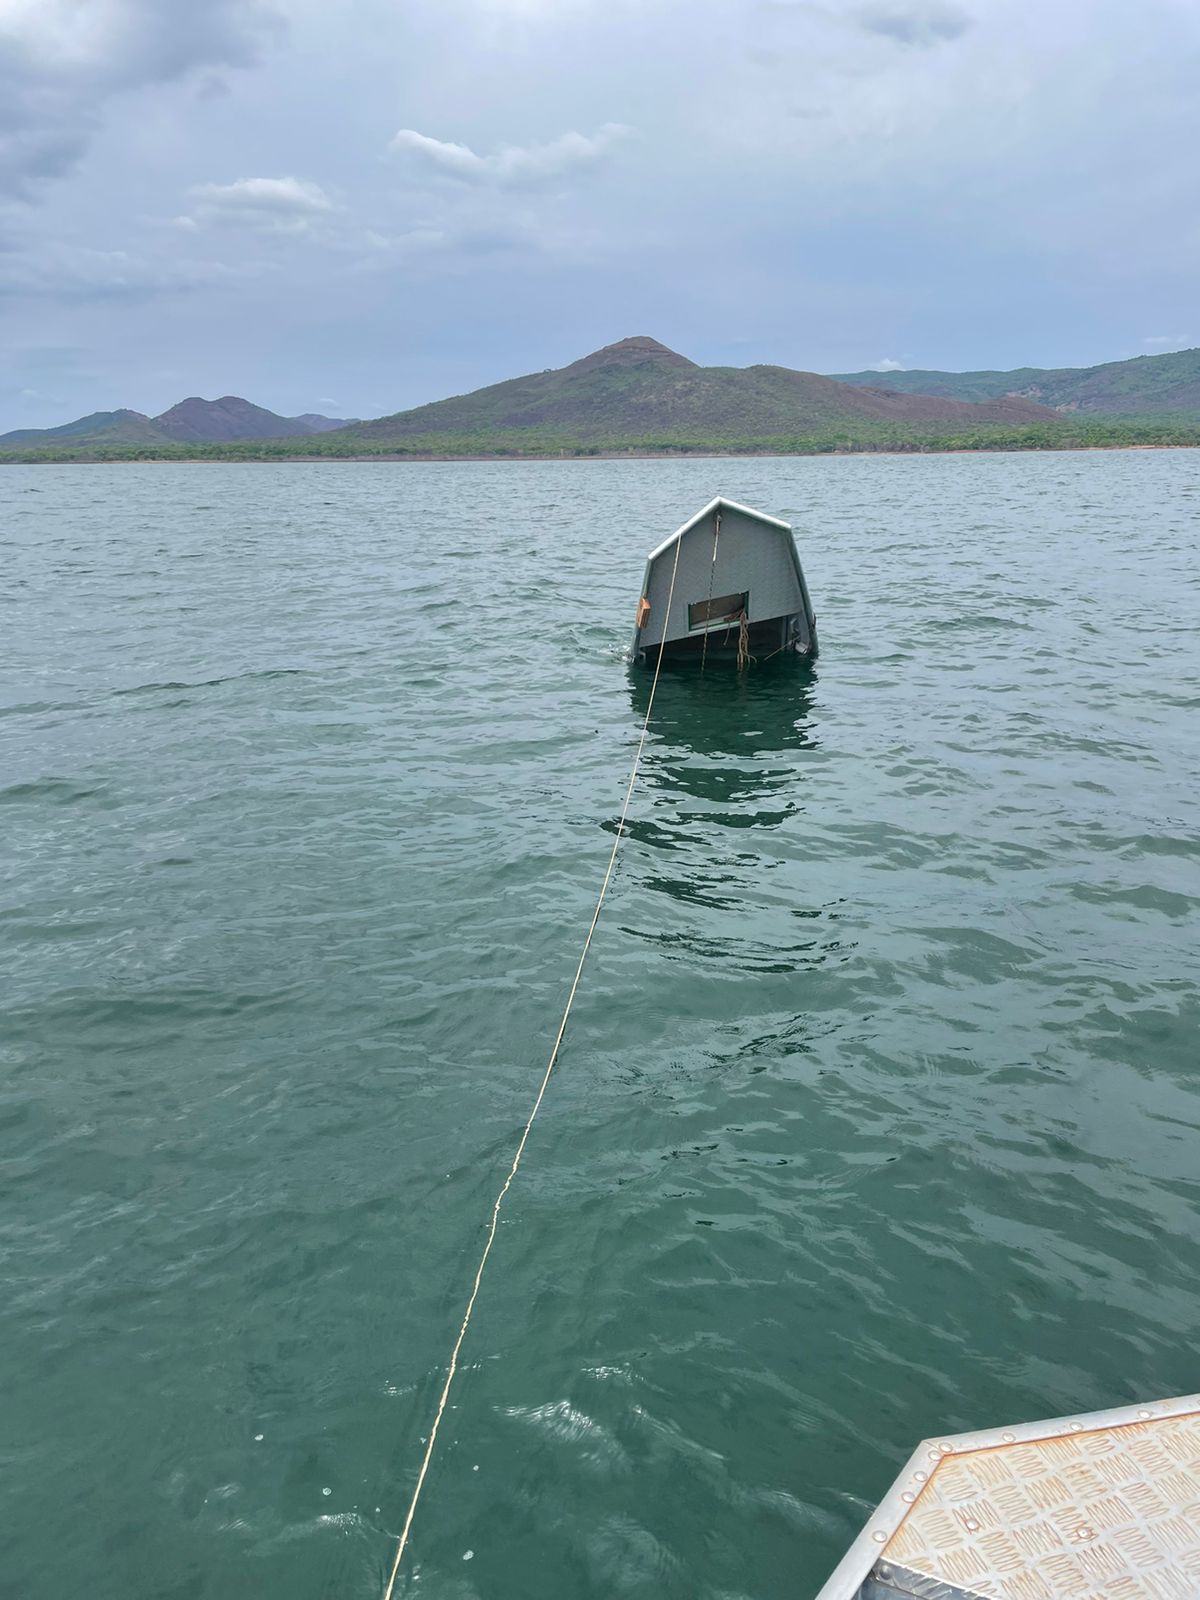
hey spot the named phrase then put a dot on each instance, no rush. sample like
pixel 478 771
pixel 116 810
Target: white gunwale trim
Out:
pixel 713 505
pixel 856 1565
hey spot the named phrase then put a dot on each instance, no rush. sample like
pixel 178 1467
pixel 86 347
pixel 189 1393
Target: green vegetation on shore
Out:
pixel 635 397
pixel 1070 434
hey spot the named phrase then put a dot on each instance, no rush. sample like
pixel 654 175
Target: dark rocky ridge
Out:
pixel 638 387
pixel 1142 386
pixel 197 421
pixel 192 421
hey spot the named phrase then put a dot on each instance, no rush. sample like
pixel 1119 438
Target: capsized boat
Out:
pixel 1104 1506
pixel 739 590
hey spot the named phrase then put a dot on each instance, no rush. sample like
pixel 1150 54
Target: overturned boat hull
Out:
pixel 738 589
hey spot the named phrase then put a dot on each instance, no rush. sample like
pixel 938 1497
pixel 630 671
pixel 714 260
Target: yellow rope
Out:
pixel 537 1104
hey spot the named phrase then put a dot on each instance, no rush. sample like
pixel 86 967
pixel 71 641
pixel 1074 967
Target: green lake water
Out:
pixel 878 1115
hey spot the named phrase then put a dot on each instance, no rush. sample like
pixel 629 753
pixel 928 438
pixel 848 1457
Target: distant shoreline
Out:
pixel 640 400
pixel 15 460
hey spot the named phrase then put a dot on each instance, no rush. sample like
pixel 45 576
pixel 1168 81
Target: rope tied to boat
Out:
pixel 712 573
pixel 744 658
pixel 452 1367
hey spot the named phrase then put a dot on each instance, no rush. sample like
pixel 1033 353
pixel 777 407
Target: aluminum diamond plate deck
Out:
pixel 1098 1507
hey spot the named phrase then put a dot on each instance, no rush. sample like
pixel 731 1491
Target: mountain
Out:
pixel 197 421
pixel 1143 386
pixel 314 422
pixel 637 396
pixel 192 421
pixel 638 389
pixel 110 426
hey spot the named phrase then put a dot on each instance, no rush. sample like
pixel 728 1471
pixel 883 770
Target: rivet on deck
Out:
pixel 1030 1512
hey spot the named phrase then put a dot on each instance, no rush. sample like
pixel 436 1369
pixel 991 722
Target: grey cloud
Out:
pixel 154 41
pixel 56 358
pixel 59 68
pixel 376 247
pixel 510 165
pixel 849 226
pixel 271 205
pixel 66 274
pixel 477 227
pixel 914 22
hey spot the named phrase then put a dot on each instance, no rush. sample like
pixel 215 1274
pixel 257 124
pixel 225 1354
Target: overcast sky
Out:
pixel 353 206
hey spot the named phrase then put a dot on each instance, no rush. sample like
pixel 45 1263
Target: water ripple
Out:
pixel 878 1113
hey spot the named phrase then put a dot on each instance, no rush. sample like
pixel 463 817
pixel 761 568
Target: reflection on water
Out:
pixel 728 739
pixel 724 761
